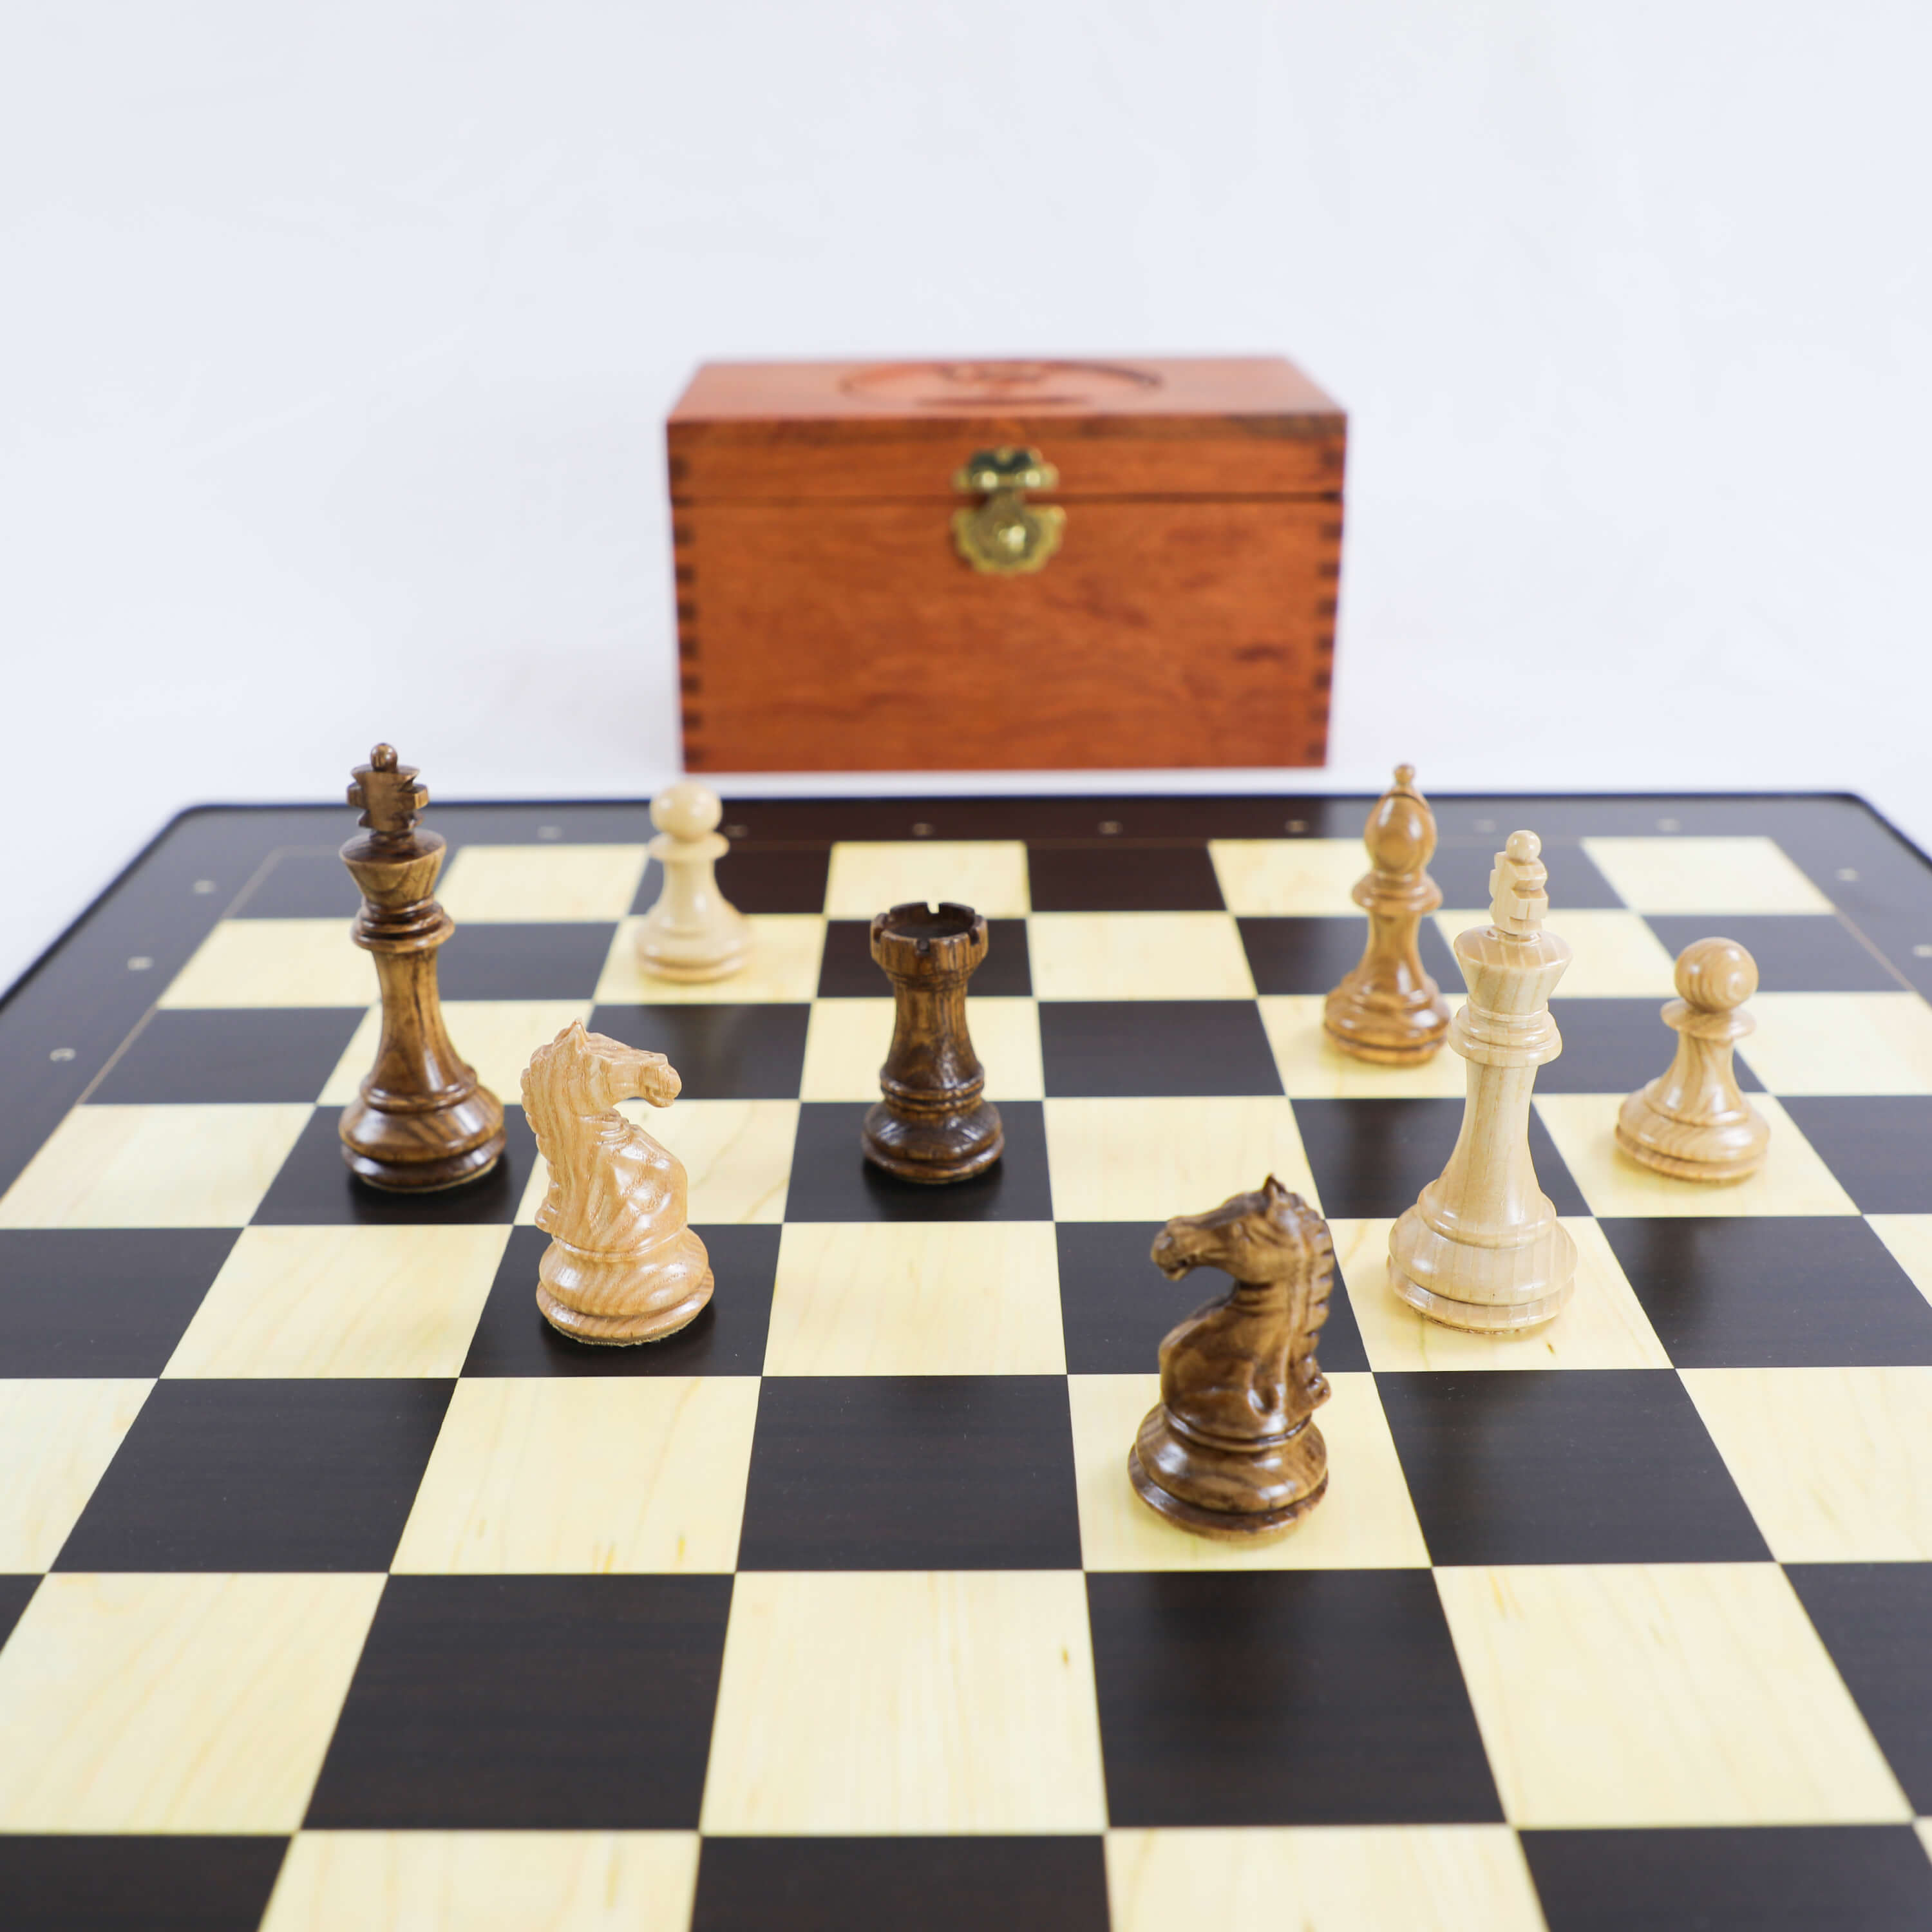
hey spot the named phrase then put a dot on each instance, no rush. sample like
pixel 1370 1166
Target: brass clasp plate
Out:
pixel 1005 534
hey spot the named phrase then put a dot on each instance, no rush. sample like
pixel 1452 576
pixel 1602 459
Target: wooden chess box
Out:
pixel 1006 566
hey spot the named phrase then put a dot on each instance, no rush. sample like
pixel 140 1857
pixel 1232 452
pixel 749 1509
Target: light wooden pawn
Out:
pixel 1388 1009
pixel 1691 1121
pixel 692 932
pixel 623 1265
pixel 1482 1248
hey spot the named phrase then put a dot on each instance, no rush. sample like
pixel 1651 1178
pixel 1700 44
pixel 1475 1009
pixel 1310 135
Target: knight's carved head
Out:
pixel 1269 1235
pixel 583 1072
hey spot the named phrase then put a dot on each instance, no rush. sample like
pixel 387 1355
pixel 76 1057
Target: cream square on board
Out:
pixel 1603 1325
pixel 868 877
pixel 276 962
pixel 1146 1160
pixel 1364 1521
pixel 846 1042
pixel 1704 875
pixel 1313 1068
pixel 57 1437
pixel 1614 956
pixel 177 1702
pixel 199 1166
pixel 1138 955
pixel 585 1475
pixel 1310 878
pixel 1793 1180
pixel 906 1701
pixel 782 966
pixel 486 1881
pixel 525 884
pixel 358 1301
pixel 1840 1042
pixel 1661 1694
pixel 1836 1464
pixel 917 1298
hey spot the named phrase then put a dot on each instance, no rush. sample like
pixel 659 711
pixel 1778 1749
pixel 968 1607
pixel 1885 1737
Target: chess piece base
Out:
pixel 424 1151
pixel 624 1331
pixel 1389 1040
pixel 1249 1494
pixel 1732 1151
pixel 690 957
pixel 687 974
pixel 618 1299
pixel 1508 1285
pixel 934 1148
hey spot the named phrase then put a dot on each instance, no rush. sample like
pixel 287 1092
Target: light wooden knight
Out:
pixel 692 933
pixel 1692 1121
pixel 622 1265
pixel 1482 1248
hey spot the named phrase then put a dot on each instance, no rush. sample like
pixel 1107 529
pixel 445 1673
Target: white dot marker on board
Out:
pixel 550 832
pixel 1486 825
pixel 1922 951
pixel 204 885
pixel 736 831
pixel 921 830
pixel 1108 826
pixel 1668 825
pixel 61 1053
pixel 140 963
pixel 1297 825
pixel 1848 874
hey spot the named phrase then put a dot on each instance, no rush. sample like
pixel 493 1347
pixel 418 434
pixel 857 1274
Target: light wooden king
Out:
pixel 1482 1248
pixel 623 1264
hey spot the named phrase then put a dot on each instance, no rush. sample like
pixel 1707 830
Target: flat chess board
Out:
pixel 342 1593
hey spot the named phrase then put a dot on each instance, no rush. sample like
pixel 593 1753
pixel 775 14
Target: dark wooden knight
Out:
pixel 1231 1450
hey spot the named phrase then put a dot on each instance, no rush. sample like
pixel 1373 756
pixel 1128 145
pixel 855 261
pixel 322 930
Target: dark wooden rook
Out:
pixel 1231 1450
pixel 423 1120
pixel 934 1123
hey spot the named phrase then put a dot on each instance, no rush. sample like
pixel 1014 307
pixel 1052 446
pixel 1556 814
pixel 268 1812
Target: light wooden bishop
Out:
pixel 1482 1248
pixel 1388 1009
pixel 623 1265
pixel 692 932
pixel 1691 1120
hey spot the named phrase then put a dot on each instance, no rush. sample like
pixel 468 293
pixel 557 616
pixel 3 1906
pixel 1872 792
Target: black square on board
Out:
pixel 1546 1465
pixel 262 1475
pixel 1463 871
pixel 1142 1048
pixel 1795 952
pixel 849 971
pixel 1111 875
pixel 758 879
pixel 518 961
pixel 528 1703
pixel 911 1472
pixel 1372 1158
pixel 1875 1619
pixel 303 885
pixel 727 1338
pixel 136 1883
pixel 15 1593
pixel 102 1301
pixel 201 1054
pixel 939 1885
pixel 1206 1682
pixel 1740 1291
pixel 754 1052
pixel 1735 1878
pixel 1880 1146
pixel 831 1180
pixel 1115 1306
pixel 315 1188
pixel 1612 1046
pixel 1312 956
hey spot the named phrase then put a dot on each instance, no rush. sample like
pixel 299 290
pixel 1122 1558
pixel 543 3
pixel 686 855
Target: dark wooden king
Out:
pixel 1231 1450
pixel 423 1120
pixel 934 1122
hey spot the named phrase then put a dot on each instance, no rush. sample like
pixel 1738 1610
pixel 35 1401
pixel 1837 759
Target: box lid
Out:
pixel 1250 426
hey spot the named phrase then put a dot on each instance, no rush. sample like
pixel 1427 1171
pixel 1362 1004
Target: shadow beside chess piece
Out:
pixel 932 1124
pixel 623 1265
pixel 1231 1450
pixel 1692 1121
pixel 1388 1009
pixel 422 1121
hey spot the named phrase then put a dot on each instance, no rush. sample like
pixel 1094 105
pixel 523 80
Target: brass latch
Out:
pixel 1006 534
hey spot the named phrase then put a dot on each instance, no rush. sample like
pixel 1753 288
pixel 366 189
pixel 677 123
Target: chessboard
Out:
pixel 339 1590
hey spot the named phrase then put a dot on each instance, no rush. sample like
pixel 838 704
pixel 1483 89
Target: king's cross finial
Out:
pixel 387 793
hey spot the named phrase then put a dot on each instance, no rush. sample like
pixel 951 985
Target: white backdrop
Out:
pixel 337 342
